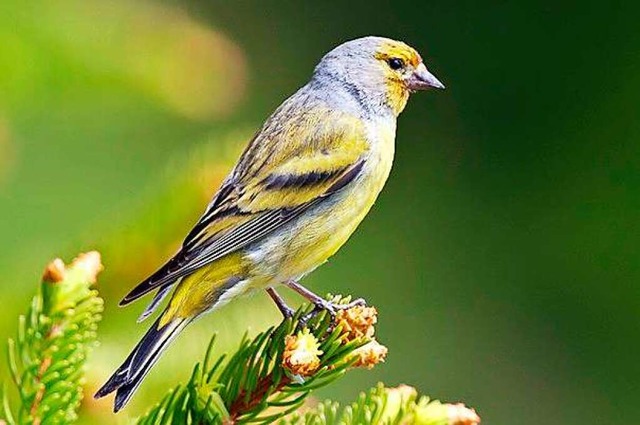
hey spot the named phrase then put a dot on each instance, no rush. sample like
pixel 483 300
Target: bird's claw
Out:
pixel 331 308
pixel 287 312
pixel 358 302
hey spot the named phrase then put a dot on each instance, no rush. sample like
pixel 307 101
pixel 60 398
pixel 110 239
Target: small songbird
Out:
pixel 298 191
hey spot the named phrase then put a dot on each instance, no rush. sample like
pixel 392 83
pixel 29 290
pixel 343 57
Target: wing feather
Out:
pixel 254 203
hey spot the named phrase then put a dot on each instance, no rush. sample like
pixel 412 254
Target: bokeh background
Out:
pixel 503 254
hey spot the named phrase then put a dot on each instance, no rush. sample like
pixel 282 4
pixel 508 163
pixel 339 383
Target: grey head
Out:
pixel 373 74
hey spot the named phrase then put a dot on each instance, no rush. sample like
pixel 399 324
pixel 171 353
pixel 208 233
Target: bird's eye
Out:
pixel 395 63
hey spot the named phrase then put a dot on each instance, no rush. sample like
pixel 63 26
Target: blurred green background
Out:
pixel 502 254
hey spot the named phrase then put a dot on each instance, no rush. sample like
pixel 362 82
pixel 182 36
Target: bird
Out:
pixel 298 191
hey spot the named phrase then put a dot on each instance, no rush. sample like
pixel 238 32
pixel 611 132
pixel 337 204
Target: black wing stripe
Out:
pixel 283 181
pixel 348 177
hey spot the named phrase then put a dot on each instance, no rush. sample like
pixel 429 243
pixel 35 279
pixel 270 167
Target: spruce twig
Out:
pixel 47 356
pixel 271 375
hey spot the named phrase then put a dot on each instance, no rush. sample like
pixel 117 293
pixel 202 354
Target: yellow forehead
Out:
pixel 399 50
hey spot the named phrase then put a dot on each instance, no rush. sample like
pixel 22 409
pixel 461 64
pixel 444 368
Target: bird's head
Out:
pixel 379 72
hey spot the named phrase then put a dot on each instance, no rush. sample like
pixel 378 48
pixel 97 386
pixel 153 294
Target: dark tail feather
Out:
pixel 130 374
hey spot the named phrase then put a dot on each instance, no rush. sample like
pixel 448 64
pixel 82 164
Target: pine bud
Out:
pixel 301 353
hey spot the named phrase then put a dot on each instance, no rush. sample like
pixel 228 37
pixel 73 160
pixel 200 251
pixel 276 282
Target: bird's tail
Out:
pixel 126 379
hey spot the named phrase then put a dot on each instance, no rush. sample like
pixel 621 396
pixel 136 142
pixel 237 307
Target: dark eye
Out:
pixel 395 63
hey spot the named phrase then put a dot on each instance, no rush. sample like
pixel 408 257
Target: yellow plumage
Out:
pixel 196 292
pixel 297 193
pixel 315 236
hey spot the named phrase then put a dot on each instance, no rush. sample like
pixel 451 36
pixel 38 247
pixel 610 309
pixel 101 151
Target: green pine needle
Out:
pixel 252 386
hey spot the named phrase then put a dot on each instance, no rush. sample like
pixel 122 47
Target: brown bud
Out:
pixel 54 272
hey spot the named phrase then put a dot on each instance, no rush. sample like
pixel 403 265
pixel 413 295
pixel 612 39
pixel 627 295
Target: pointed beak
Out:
pixel 422 79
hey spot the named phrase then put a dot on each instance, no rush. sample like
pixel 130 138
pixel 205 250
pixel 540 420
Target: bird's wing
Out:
pixel 274 182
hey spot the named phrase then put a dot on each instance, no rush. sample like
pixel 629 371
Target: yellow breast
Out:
pixel 321 234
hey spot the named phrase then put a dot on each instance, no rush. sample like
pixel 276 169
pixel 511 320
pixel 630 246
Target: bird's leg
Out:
pixel 286 311
pixel 320 303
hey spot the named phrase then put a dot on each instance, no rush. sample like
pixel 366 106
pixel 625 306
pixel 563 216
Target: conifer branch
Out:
pixel 271 375
pixel 266 380
pixel 47 357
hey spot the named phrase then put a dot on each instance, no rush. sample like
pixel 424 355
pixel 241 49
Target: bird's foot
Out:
pixel 331 308
pixel 321 304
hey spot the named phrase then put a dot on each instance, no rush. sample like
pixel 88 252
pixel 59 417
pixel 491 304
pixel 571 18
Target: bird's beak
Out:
pixel 422 79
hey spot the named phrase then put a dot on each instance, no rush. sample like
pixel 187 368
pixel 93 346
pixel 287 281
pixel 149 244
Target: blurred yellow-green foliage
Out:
pixel 503 254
